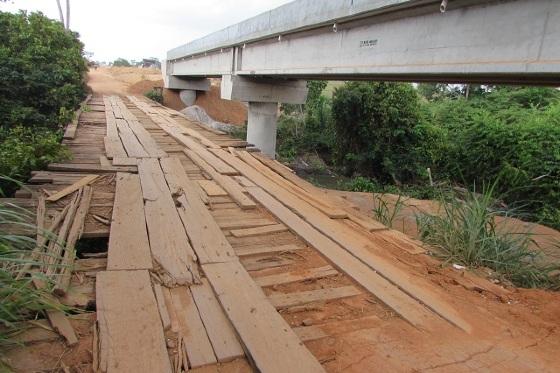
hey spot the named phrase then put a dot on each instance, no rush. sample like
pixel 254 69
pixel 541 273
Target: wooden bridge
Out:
pixel 219 257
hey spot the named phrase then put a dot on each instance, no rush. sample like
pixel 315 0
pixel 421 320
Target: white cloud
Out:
pixel 134 29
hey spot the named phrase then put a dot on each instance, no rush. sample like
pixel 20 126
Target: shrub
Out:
pixel 23 150
pixel 155 95
pixel 41 71
pixel 374 125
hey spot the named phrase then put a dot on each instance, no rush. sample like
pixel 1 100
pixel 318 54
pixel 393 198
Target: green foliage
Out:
pixel 513 134
pixel 23 150
pixel 374 125
pixel 386 212
pixel 121 62
pixel 155 95
pixel 19 299
pixel 306 131
pixel 41 71
pixel 468 233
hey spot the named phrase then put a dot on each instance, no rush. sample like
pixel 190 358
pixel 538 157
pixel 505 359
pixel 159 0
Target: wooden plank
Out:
pixel 257 264
pixel 319 295
pixel 191 328
pixel 168 240
pixel 330 211
pixel 359 246
pixel 220 332
pixel 114 147
pixel 125 161
pixel 314 332
pixel 401 303
pixel 286 278
pixel 247 251
pixel 129 247
pixel 230 186
pixel 144 137
pixel 267 229
pixel 163 314
pixel 75 233
pixel 211 188
pixel 239 224
pixel 82 167
pixel 244 181
pixel 62 326
pixel 72 188
pixel 130 334
pixel 203 139
pixel 133 147
pixel 268 339
pixel 205 235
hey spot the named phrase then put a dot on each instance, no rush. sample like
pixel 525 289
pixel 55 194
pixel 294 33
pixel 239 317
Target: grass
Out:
pixel 384 212
pixel 468 233
pixel 19 299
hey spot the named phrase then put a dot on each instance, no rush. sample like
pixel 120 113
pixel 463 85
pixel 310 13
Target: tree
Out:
pixel 374 124
pixel 121 62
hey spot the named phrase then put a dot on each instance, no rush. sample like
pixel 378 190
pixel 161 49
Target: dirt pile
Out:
pixel 226 111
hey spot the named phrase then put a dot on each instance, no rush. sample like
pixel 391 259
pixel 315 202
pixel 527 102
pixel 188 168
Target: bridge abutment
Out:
pixel 263 96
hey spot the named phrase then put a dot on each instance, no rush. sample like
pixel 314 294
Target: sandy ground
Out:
pixel 132 80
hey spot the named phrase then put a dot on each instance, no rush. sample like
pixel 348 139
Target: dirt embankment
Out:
pixel 137 81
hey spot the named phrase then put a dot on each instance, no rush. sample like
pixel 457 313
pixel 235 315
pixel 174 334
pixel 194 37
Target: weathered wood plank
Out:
pixel 221 333
pixel 191 328
pixel 211 188
pixel 129 247
pixel 319 295
pixel 269 340
pixel 167 236
pixel 267 229
pixel 205 235
pixel 286 278
pixel 133 147
pixel 130 334
pixel 72 188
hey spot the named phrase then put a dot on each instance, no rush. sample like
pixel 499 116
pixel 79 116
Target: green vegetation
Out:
pixel 121 62
pixel 387 135
pixel 41 83
pixel 468 232
pixel 155 95
pixel 19 299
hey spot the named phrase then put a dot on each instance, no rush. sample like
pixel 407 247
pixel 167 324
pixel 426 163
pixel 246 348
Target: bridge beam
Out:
pixel 263 96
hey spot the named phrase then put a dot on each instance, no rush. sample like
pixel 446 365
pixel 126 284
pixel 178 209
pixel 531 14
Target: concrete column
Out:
pixel 188 96
pixel 261 126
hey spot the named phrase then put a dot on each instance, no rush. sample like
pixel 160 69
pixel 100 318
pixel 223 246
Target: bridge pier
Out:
pixel 187 87
pixel 263 96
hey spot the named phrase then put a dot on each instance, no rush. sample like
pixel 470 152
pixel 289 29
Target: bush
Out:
pixel 23 150
pixel 375 125
pixel 155 95
pixel 41 71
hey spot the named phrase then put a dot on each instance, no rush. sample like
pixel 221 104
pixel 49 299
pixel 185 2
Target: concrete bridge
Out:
pixel 267 59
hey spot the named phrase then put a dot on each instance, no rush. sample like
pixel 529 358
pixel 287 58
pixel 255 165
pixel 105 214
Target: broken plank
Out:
pixel 169 242
pixel 230 186
pixel 163 313
pixel 62 326
pixel 133 147
pixel 129 247
pixel 286 278
pixel 130 334
pixel 72 188
pixel 319 295
pixel 220 332
pixel 243 223
pixel 205 235
pixel 267 229
pixel 114 147
pixel 268 339
pixel 191 328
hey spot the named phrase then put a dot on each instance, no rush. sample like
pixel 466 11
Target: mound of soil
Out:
pixel 225 111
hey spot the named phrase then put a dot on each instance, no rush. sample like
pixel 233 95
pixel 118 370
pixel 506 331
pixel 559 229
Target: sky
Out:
pixel 134 29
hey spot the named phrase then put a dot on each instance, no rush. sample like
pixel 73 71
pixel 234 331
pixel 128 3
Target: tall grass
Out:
pixel 467 232
pixel 20 300
pixel 386 212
